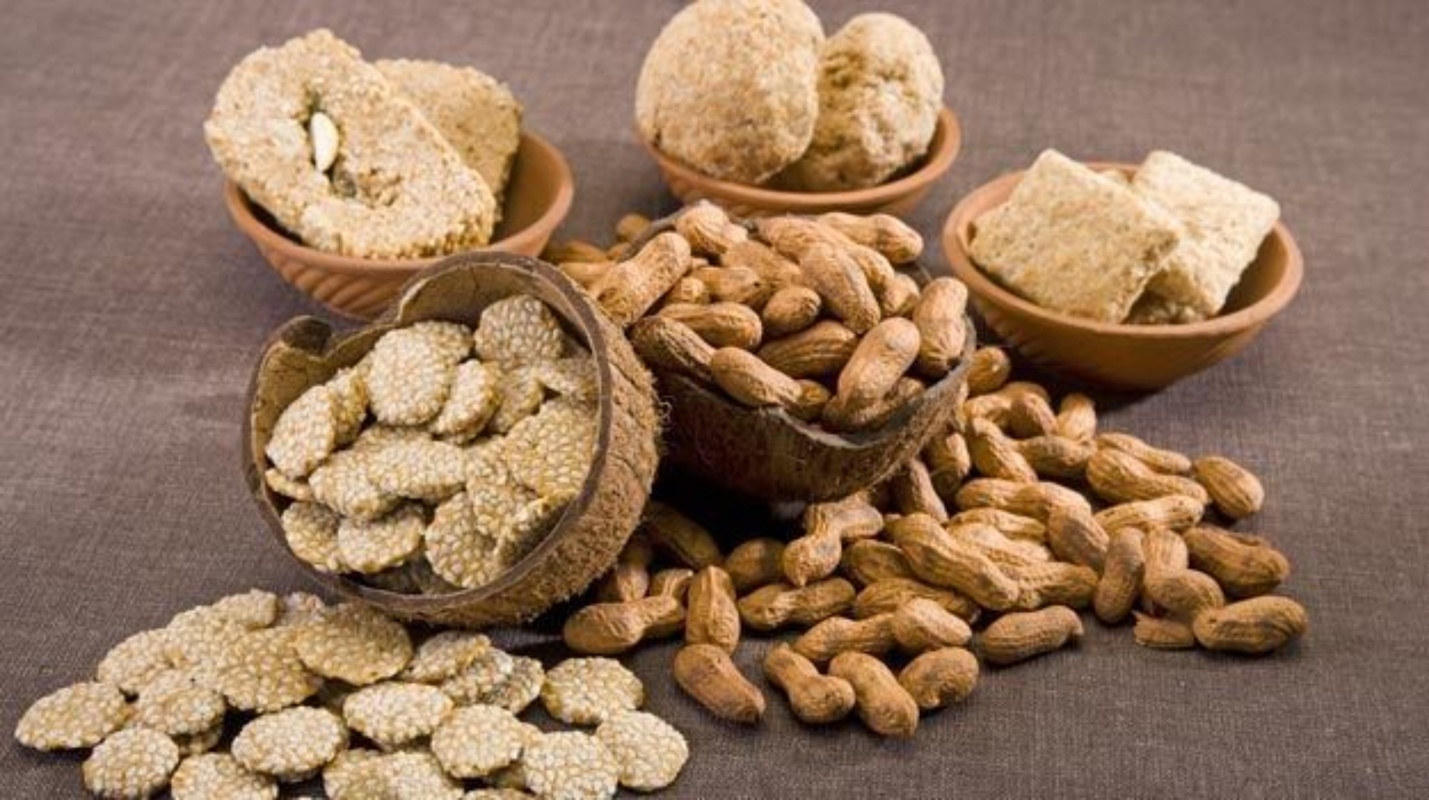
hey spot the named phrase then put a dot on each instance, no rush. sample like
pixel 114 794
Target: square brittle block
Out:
pixel 1074 241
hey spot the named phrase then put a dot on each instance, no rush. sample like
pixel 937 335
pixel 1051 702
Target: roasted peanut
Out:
pixel 630 226
pixel 1004 551
pixel 774 269
pixel 1119 477
pixel 1075 535
pixel 882 703
pixel 949 462
pixel 750 381
pixel 828 638
pixel 611 628
pixel 666 344
pixel 888 235
pixel 631 287
pixel 586 273
pixel 672 582
pixel 1167 461
pixel 988 369
pixel 1054 583
pixel 680 537
pixel 1159 633
pixel 899 297
pixel 629 579
pixel 939 317
pixel 1233 488
pixel 812 400
pixel 707 674
pixel 818 351
pixel 816 554
pixel 841 283
pixel 755 563
pixel 1022 635
pixel 1173 511
pixel 1245 566
pixel 1014 526
pixel 1077 418
pixel 921 624
pixel 1035 500
pixel 882 356
pixel 734 285
pixel 845 417
pixel 573 250
pixel 1185 594
pixel 997 456
pixel 711 616
pixel 720 324
pixel 686 291
pixel 790 310
pixel 708 229
pixel 778 604
pixel 941 560
pixel 913 491
pixel 1030 415
pixel 887 595
pixel 868 561
pixel 816 699
pixel 1255 626
pixel 1123 573
pixel 1056 456
pixel 996 407
pixel 940 678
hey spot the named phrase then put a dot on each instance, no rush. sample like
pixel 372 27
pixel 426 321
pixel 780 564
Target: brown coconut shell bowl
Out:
pixel 585 540
pixel 1121 356
pixel 538 197
pixel 897 197
pixel 769 454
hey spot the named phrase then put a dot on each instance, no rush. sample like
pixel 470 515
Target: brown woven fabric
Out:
pixel 132 311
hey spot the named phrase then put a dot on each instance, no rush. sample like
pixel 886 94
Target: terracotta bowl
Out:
pixel 769 454
pixel 898 197
pixel 538 196
pixel 589 534
pixel 1135 357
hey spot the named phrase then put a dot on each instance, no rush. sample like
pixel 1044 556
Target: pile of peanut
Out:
pixel 1013 520
pixel 807 315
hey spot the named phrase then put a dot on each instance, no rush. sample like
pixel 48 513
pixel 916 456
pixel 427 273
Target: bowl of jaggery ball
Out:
pixel 351 176
pixel 750 105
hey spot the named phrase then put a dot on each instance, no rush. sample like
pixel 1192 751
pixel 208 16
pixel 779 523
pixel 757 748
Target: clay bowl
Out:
pixel 586 538
pixel 769 454
pixel 898 196
pixel 1134 357
pixel 538 196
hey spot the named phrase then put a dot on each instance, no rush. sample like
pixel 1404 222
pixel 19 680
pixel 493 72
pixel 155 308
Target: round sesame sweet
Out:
pixel 475 741
pixel 587 691
pixel 262 671
pixel 395 713
pixel 479 678
pixel 404 774
pixel 354 643
pixel 311 532
pixel 135 661
pixel 342 484
pixel 344 775
pixel 75 716
pixel 349 403
pixel 383 543
pixel 518 330
pixel 573 377
pixel 299 608
pixel 408 378
pixel 550 453
pixel 219 776
pixel 290 745
pixel 472 402
pixel 196 744
pixel 304 434
pixel 453 339
pixel 521 687
pixel 445 654
pixel 495 794
pixel 252 609
pixel 521 394
pixel 287 487
pixel 458 548
pixel 176 704
pixel 421 470
pixel 133 763
pixel 649 751
pixel 570 765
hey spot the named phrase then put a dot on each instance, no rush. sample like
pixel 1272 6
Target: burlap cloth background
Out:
pixel 131 312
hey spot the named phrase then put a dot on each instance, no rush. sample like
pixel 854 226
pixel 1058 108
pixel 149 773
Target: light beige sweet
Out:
pixel 1073 241
pixel 729 87
pixel 397 187
pixel 1224 222
pixel 475 112
pixel 880 90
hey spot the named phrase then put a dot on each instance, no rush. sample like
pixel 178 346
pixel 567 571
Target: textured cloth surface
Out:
pixel 132 311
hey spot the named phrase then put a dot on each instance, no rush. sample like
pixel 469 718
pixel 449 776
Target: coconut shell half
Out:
pixel 590 533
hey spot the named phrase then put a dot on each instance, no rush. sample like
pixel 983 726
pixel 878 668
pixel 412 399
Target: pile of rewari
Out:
pixel 439 461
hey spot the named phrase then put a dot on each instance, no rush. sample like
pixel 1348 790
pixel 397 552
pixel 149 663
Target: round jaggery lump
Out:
pixel 730 87
pixel 880 90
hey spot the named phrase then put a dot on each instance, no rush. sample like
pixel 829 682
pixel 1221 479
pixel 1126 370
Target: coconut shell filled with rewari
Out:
pixel 479 453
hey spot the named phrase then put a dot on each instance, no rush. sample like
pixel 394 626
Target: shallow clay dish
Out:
pixel 538 196
pixel 589 533
pixel 1137 357
pixel 770 454
pixel 898 196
